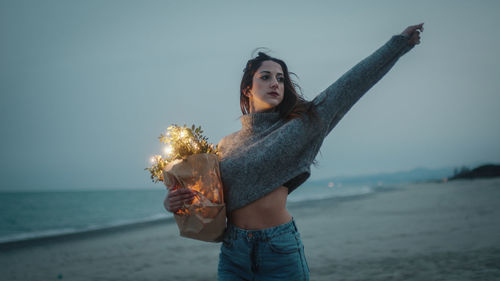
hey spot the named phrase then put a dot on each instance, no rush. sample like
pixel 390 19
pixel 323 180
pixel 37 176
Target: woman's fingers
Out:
pixel 410 30
pixel 413 33
pixel 175 206
pixel 181 199
pixel 181 192
pixel 177 198
pixel 415 38
pixel 419 27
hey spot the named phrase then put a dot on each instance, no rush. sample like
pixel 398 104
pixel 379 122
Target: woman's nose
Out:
pixel 274 83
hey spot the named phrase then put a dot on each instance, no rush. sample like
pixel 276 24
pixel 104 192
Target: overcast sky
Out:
pixel 87 86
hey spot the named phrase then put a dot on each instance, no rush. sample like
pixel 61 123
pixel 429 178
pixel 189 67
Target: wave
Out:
pixel 320 193
pixel 60 232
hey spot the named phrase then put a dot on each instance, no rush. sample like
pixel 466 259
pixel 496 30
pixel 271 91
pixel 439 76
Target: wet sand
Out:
pixel 425 231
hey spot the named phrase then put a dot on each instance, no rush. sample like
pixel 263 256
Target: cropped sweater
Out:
pixel 269 152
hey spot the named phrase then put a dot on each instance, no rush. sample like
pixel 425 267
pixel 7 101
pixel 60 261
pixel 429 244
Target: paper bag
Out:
pixel 205 218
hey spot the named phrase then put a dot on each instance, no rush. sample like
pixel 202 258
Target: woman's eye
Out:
pixel 266 77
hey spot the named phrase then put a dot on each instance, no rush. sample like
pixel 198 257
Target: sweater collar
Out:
pixel 259 121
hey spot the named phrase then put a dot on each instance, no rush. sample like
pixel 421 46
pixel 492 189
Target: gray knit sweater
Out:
pixel 269 152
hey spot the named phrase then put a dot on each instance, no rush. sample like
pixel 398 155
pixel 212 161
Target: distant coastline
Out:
pixel 484 171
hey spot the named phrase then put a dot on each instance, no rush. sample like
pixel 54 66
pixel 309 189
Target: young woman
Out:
pixel 271 156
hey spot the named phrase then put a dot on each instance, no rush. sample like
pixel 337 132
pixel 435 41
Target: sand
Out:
pixel 425 231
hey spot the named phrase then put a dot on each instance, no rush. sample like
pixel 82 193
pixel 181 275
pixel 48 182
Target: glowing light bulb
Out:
pixel 168 150
pixel 155 158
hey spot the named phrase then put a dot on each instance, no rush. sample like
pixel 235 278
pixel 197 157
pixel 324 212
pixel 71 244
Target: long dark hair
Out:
pixel 293 105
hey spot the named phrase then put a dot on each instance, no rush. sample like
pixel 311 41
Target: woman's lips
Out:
pixel 274 94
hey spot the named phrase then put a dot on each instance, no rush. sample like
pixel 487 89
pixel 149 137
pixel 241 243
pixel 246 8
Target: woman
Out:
pixel 271 156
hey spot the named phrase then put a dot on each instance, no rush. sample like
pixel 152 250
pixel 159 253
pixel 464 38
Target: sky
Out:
pixel 86 87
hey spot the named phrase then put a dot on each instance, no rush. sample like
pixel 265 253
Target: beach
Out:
pixel 418 231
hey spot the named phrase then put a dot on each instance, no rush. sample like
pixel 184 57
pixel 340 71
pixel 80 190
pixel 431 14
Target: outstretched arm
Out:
pixel 334 102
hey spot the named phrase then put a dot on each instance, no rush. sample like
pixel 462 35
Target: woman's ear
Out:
pixel 246 92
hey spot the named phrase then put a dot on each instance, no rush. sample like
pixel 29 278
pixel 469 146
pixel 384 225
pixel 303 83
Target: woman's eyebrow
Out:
pixel 267 71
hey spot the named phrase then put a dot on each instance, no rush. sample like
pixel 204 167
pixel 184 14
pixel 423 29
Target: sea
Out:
pixel 38 214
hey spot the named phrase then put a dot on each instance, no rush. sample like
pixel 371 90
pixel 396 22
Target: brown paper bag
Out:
pixel 205 218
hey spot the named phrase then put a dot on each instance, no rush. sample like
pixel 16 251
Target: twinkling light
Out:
pixel 155 159
pixel 183 133
pixel 168 150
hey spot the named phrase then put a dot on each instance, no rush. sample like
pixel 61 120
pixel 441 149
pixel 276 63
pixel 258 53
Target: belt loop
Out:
pixel 233 233
pixel 294 225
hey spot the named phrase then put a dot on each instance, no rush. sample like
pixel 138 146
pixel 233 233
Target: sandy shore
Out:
pixel 431 231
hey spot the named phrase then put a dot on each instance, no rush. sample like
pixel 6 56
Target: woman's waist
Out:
pixel 268 211
pixel 259 219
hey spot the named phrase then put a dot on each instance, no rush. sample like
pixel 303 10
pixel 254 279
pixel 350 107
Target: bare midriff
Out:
pixel 266 212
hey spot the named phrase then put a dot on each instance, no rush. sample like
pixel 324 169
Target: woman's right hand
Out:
pixel 176 198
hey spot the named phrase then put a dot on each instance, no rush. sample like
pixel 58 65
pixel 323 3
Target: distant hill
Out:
pixel 415 175
pixel 484 171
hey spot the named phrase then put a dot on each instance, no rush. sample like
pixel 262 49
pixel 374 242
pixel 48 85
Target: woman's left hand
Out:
pixel 413 33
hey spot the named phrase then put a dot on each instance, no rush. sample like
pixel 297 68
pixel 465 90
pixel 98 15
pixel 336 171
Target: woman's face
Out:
pixel 268 87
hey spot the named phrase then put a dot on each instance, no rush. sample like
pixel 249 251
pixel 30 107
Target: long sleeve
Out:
pixel 334 102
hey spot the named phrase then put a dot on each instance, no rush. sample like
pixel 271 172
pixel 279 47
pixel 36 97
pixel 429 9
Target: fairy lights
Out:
pixel 168 150
pixel 180 143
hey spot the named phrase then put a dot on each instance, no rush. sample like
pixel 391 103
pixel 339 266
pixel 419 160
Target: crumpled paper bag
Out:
pixel 205 218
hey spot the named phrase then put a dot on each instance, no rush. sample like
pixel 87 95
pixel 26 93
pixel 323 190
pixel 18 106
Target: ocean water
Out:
pixel 36 214
pixel 28 215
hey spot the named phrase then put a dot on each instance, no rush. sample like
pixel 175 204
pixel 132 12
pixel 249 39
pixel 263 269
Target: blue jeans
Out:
pixel 273 253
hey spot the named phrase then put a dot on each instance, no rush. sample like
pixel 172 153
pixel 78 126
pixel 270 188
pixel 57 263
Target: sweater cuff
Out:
pixel 402 43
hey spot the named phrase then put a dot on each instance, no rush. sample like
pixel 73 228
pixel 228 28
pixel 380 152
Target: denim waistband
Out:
pixel 235 232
